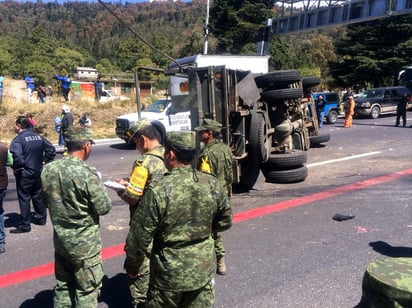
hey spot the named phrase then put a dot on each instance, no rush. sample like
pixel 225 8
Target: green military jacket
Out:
pixel 179 215
pixel 219 157
pixel 75 197
pixel 153 161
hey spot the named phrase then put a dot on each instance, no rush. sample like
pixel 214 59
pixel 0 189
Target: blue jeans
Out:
pixel 2 233
pixel 321 114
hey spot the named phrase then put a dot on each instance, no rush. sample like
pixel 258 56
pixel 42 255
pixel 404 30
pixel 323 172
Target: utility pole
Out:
pixel 206 30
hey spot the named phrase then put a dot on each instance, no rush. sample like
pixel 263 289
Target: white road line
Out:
pixel 342 159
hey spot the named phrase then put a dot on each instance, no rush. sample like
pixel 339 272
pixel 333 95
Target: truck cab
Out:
pixel 159 110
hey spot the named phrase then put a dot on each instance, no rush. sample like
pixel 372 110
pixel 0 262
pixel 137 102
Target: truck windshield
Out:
pixel 158 106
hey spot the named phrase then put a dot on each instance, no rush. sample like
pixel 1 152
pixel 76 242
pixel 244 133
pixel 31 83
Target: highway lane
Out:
pixel 297 256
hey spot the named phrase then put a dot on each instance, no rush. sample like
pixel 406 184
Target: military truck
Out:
pixel 268 120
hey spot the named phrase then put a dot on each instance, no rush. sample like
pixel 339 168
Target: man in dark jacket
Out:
pixel 30 152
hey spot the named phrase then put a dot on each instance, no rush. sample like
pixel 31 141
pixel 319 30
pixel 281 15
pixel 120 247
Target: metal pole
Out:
pixel 206 28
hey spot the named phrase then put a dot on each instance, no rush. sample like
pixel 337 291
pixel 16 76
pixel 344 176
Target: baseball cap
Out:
pixel 209 124
pixel 132 131
pixel 181 140
pixel 75 133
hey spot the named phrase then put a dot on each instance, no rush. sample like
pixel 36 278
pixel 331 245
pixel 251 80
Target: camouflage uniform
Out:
pixel 75 197
pixel 179 215
pixel 152 161
pixel 219 158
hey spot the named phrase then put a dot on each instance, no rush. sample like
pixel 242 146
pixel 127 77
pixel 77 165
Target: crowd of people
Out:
pixel 178 207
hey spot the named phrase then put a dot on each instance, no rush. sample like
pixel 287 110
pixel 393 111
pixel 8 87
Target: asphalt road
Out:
pixel 284 250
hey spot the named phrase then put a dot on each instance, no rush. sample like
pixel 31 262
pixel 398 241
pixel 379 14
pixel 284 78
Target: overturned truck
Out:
pixel 268 119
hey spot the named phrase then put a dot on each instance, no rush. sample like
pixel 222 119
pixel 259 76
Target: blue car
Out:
pixel 331 110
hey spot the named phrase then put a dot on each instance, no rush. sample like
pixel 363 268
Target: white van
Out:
pixel 158 110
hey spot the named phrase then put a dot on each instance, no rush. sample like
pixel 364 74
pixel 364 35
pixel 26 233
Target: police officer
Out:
pixel 76 198
pixel 178 215
pixel 147 169
pixel 30 152
pixel 216 158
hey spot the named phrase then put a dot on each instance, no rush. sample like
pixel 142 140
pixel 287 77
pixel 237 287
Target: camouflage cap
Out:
pixel 181 140
pixel 75 133
pixel 209 124
pixel 129 134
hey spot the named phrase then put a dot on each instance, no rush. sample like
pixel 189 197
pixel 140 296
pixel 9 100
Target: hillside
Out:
pixel 14 103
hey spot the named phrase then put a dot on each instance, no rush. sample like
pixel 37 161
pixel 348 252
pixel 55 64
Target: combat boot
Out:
pixel 221 266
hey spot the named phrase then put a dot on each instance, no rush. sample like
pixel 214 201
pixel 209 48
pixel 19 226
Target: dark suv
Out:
pixel 374 102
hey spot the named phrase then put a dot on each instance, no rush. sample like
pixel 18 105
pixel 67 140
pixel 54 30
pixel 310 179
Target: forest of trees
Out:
pixel 46 37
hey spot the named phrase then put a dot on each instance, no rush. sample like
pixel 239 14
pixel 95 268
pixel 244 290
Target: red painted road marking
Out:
pixel 117 250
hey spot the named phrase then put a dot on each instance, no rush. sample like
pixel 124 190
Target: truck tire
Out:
pixel 332 117
pixel 310 82
pixel 281 95
pixel 249 173
pixel 289 160
pixel 276 78
pixel 315 141
pixel 295 175
pixel 258 139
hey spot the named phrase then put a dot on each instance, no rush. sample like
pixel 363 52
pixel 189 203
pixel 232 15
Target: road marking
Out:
pixel 342 159
pixel 117 250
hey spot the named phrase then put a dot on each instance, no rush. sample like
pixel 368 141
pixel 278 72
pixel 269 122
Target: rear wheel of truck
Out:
pixel 310 82
pixel 282 94
pixel 292 159
pixel 295 175
pixel 249 173
pixel 315 141
pixel 275 79
pixel 260 142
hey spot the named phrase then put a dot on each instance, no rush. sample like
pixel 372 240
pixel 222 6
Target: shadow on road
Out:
pixel 123 146
pixel 391 251
pixel 43 299
pixel 114 294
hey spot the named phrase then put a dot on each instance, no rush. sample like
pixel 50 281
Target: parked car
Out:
pixel 159 110
pixel 331 110
pixel 108 95
pixel 377 101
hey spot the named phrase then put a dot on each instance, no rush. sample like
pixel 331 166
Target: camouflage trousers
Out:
pixel 139 286
pixel 203 297
pixel 77 283
pixel 219 248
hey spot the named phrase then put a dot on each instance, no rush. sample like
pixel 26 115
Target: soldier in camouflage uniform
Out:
pixel 76 198
pixel 147 169
pixel 216 158
pixel 179 216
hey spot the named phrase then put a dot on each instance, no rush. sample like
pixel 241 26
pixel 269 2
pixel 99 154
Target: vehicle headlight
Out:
pixel 366 105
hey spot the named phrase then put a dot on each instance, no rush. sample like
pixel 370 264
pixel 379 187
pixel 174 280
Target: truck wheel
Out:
pixel 332 117
pixel 310 82
pixel 315 141
pixel 292 159
pixel 276 78
pixel 282 94
pixel 295 175
pixel 375 112
pixel 258 139
pixel 249 173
